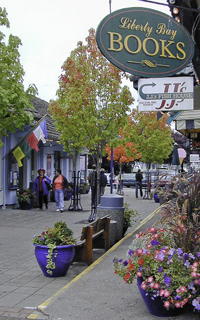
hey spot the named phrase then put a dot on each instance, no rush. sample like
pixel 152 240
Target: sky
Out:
pixel 50 30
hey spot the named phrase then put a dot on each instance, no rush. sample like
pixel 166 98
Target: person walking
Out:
pixel 41 187
pixel 60 184
pixel 103 181
pixel 93 185
pixel 138 178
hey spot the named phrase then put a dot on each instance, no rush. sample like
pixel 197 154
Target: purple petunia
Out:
pixel 191 285
pixel 196 304
pixel 130 252
pixel 186 256
pixel 155 242
pixel 198 254
pixel 187 264
pixel 167 280
pixel 171 252
pixel 160 269
pixel 125 263
pixel 179 251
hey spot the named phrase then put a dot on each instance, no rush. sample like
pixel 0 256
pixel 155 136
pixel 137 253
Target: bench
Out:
pixel 95 235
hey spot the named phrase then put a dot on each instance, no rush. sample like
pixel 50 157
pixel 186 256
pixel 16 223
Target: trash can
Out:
pixel 112 205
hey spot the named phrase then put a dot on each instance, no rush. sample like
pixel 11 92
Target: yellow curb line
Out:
pixel 94 264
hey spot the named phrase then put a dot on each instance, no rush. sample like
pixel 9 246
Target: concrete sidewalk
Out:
pixel 85 292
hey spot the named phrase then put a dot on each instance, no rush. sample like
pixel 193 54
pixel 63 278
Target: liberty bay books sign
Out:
pixel 145 42
pixel 166 94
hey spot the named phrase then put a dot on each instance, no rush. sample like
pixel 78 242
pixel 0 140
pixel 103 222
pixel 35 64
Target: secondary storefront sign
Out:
pixel 145 42
pixel 166 94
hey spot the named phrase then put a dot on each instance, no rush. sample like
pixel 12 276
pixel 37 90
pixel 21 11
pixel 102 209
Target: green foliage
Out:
pixel 181 210
pixel 59 235
pixel 15 103
pixel 91 105
pixel 25 195
pixel 151 137
pixel 129 215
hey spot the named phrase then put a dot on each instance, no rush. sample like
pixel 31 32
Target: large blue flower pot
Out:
pixel 156 306
pixel 156 198
pixel 62 257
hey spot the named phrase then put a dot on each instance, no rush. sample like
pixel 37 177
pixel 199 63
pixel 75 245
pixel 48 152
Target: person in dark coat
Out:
pixel 93 185
pixel 40 187
pixel 103 181
pixel 60 185
pixel 138 178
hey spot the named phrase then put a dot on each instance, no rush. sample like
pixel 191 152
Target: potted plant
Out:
pixel 25 199
pixel 54 249
pixel 166 260
pixel 129 215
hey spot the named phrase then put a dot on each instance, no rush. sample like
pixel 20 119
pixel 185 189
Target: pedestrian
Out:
pixel 103 181
pixel 41 187
pixel 60 185
pixel 138 178
pixel 93 185
pixel 120 183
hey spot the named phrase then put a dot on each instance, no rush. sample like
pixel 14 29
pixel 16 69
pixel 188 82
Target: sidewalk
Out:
pixel 85 292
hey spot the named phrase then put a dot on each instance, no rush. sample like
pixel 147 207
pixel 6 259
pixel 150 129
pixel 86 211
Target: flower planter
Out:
pixel 156 198
pixel 25 205
pixel 62 257
pixel 155 307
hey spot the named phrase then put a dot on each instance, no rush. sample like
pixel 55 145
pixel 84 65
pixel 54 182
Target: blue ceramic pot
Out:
pixel 62 257
pixel 156 306
pixel 156 198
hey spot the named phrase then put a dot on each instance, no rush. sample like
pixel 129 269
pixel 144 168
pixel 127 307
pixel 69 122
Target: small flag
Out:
pixel 30 141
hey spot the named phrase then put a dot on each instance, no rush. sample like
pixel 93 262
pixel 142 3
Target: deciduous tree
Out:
pixel 152 138
pixel 92 105
pixel 14 101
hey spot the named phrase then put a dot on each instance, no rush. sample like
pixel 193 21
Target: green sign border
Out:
pixel 141 26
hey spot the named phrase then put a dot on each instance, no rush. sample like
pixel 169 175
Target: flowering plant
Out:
pixel 59 235
pixel 167 272
pixel 25 195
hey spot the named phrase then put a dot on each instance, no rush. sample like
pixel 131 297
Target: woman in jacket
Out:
pixel 60 184
pixel 41 188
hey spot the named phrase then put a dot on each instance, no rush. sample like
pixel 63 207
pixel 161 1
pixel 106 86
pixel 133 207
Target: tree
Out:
pixel 14 101
pixel 152 138
pixel 91 105
pixel 120 155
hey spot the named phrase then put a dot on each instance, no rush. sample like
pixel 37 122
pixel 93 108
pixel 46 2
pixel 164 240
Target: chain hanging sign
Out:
pixel 145 42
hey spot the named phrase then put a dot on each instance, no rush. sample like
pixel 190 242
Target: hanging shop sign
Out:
pixel 166 94
pixel 145 42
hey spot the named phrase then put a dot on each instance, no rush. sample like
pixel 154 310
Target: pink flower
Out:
pixel 150 279
pixel 139 274
pixel 166 293
pixel 156 285
pixel 178 304
pixel 194 274
pixel 195 264
pixel 139 252
pixel 196 281
pixel 167 304
pixel 183 289
pixel 162 292
pixel 143 285
pixel 151 285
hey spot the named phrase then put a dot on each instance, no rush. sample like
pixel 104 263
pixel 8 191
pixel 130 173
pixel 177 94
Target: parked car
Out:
pixel 129 180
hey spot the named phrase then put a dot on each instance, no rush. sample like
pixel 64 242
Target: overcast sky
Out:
pixel 50 30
